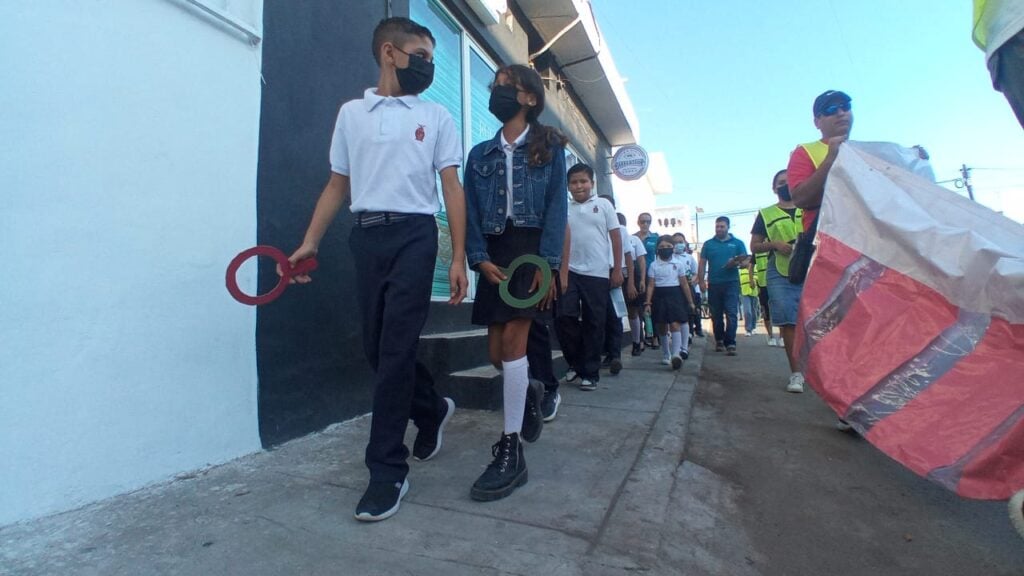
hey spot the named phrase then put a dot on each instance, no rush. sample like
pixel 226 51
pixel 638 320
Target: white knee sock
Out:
pixel 665 342
pixel 516 382
pixel 678 344
pixel 637 329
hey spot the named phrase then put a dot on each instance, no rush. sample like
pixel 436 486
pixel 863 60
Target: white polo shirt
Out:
pixel 627 246
pixel 590 251
pixel 637 247
pixel 391 148
pixel 666 273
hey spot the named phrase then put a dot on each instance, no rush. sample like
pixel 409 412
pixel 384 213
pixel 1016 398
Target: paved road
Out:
pixel 804 498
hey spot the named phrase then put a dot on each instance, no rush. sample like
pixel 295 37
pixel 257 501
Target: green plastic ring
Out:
pixel 545 282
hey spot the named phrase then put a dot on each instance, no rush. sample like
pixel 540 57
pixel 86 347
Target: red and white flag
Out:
pixel 911 322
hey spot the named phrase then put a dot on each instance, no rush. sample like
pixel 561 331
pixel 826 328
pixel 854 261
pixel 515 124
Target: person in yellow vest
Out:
pixel 748 299
pixel 774 233
pixel 809 163
pixel 761 277
pixel 999 31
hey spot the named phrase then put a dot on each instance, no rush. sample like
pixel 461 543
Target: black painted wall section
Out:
pixel 312 372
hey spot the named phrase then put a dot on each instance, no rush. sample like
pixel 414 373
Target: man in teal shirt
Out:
pixel 721 258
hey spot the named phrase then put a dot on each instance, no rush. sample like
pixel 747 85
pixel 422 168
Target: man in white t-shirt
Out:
pixel 583 306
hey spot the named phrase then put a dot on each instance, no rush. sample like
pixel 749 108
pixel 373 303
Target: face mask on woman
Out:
pixel 503 103
pixel 680 248
pixel 665 253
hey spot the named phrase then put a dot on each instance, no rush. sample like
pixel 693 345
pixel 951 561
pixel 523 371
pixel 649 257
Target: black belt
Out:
pixel 371 219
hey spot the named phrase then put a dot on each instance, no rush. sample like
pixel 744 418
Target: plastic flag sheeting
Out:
pixel 911 323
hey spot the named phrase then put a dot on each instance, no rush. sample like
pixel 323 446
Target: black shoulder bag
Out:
pixel 803 251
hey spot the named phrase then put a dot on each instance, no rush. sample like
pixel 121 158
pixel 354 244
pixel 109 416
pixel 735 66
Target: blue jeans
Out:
pixel 724 299
pixel 749 312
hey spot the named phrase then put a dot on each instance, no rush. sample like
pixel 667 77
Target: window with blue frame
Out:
pixel 462 79
pixel 447 91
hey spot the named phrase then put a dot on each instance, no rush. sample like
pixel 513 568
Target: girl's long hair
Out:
pixel 542 139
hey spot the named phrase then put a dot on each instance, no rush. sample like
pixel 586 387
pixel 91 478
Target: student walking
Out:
pixel 669 301
pixel 390 178
pixel 516 203
pixel 595 245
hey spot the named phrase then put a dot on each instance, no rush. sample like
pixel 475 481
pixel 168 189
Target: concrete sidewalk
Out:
pixel 601 499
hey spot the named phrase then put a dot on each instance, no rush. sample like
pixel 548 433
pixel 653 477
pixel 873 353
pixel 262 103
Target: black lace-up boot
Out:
pixel 505 473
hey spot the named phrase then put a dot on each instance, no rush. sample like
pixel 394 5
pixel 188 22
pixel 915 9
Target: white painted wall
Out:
pixel 128 152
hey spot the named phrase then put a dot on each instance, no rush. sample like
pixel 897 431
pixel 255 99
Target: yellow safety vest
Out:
pixel 761 268
pixel 781 227
pixel 746 288
pixel 817 150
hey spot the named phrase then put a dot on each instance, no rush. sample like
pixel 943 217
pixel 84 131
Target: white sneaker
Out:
pixel 796 383
pixel 771 341
pixel 666 360
pixel 778 342
pixel 749 334
pixel 571 376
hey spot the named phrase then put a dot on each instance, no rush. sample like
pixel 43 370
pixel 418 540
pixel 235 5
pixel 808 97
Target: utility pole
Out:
pixel 966 173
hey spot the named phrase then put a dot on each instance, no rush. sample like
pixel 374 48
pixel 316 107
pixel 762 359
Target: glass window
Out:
pixel 446 90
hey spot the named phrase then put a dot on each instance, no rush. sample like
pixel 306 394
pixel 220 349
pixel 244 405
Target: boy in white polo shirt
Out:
pixel 385 153
pixel 595 243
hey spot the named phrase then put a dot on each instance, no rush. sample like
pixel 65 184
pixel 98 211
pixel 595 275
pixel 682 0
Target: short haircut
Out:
pixel 642 214
pixel 622 218
pixel 681 235
pixel 664 238
pixel 581 167
pixel 723 219
pixel 776 177
pixel 607 197
pixel 397 31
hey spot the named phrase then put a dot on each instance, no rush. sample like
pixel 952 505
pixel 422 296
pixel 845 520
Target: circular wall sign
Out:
pixel 630 162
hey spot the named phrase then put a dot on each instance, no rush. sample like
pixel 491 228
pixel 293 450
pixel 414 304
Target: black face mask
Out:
pixel 783 192
pixel 503 103
pixel 417 76
pixel 665 253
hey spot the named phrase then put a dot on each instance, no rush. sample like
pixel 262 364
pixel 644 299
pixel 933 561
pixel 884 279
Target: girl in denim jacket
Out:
pixel 516 204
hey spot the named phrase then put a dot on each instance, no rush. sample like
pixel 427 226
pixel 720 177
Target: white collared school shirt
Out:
pixel 666 273
pixel 391 148
pixel 590 251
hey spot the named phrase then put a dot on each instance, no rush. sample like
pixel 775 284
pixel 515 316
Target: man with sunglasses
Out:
pixel 809 163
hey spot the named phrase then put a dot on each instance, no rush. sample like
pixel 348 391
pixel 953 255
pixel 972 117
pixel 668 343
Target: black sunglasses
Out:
pixel 833 109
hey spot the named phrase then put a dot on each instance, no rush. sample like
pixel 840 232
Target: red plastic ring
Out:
pixel 231 280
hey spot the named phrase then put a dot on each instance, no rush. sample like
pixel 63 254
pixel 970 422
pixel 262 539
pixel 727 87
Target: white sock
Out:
pixel 678 344
pixel 665 342
pixel 516 383
pixel 637 328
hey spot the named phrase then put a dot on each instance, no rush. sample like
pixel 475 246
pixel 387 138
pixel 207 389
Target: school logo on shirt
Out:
pixel 421 133
pixel 595 210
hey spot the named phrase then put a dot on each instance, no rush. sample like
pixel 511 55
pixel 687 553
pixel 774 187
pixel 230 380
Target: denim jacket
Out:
pixel 539 199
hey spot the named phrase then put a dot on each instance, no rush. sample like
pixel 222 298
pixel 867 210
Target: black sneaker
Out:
pixel 533 419
pixel 549 406
pixel 616 366
pixel 684 355
pixel 730 350
pixel 719 347
pixel 637 350
pixel 381 500
pixel 428 439
pixel 505 473
pixel 607 362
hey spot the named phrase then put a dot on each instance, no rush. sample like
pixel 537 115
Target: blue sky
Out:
pixel 724 89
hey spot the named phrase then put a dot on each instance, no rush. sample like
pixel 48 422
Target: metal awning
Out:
pixel 587 64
